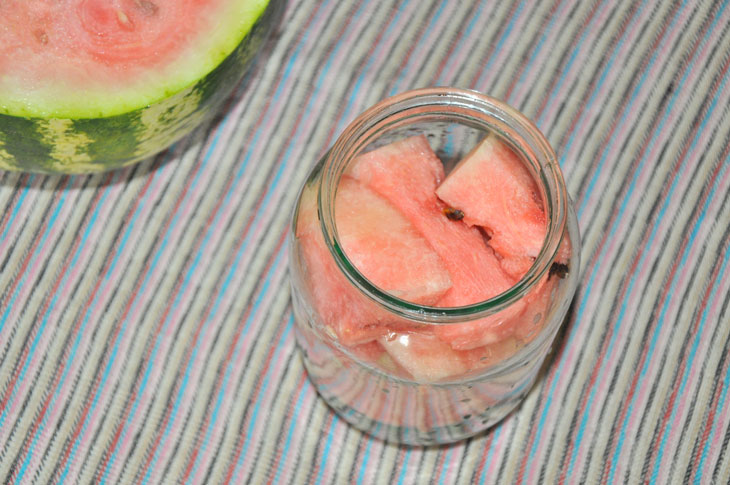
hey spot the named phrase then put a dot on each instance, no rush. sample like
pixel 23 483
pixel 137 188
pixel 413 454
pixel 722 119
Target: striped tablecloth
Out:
pixel 145 315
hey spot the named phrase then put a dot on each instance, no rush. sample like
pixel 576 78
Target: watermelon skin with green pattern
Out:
pixel 66 145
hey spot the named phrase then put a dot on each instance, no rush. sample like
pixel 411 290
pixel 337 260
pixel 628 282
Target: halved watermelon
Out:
pixel 91 85
pixel 494 190
pixel 385 248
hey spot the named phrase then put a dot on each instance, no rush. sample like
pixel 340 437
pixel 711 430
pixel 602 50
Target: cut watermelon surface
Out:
pixel 494 190
pixel 407 173
pixel 386 248
pixel 94 58
pixel 90 85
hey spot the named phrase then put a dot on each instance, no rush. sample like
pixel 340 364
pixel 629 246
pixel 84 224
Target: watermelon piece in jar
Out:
pixel 494 190
pixel 384 247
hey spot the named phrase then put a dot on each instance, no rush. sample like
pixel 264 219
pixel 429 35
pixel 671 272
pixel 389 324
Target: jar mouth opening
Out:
pixel 454 106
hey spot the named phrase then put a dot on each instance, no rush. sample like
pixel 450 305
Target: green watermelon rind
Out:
pixel 86 145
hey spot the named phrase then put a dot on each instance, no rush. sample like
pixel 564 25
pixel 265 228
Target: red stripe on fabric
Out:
pixel 133 296
pixel 525 60
pixel 289 415
pixel 79 425
pixel 586 22
pixel 227 360
pixel 675 266
pixel 552 373
pixel 490 52
pixel 483 459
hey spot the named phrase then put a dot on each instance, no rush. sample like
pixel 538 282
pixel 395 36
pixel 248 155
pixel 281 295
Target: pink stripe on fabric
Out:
pixel 549 110
pixel 674 303
pixel 414 61
pixel 119 364
pixel 534 69
pixel 274 372
pixel 654 73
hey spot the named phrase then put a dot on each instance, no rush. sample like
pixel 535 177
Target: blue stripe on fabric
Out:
pixel 368 65
pixel 366 455
pixel 327 445
pixel 41 330
pixel 589 286
pixel 14 213
pixel 490 454
pixel 408 68
pixel 292 425
pixel 462 39
pixel 620 217
pixel 573 55
pixel 538 47
pixel 155 261
pixel 264 381
pixel 447 460
pixel 72 355
pixel 500 45
pixel 404 466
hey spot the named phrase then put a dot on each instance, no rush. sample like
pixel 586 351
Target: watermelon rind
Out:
pixel 87 144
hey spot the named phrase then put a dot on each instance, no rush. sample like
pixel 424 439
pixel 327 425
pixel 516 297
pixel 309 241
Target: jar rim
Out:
pixel 480 108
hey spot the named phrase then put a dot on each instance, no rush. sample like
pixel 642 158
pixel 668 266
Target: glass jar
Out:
pixel 379 360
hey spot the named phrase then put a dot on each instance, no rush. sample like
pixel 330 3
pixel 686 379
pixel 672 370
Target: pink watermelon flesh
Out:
pixel 406 173
pixel 360 217
pixel 425 357
pixel 494 189
pixel 386 248
pixel 80 33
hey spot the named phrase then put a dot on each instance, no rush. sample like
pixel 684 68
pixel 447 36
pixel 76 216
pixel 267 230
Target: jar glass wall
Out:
pixel 419 373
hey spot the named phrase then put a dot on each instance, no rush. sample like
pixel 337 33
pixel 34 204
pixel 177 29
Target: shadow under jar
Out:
pixel 425 373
